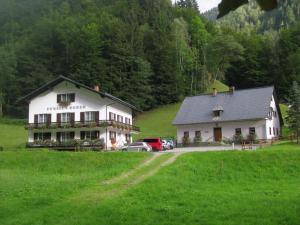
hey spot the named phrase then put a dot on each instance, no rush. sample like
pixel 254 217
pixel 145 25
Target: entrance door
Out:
pixel 218 134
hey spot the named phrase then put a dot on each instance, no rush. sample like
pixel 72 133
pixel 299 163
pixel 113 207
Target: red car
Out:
pixel 155 143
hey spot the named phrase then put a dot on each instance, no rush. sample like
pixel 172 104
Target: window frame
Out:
pixel 251 132
pixel 186 132
pixel 238 133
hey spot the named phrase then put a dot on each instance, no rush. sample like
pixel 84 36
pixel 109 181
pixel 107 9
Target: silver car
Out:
pixel 138 146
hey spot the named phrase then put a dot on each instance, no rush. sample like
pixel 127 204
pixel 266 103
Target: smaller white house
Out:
pixel 221 116
pixel 63 113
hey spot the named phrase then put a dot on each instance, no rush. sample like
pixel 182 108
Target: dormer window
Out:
pixel 66 98
pixel 217 111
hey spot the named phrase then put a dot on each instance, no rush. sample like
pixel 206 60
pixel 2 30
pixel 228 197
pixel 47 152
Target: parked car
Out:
pixel 155 143
pixel 138 146
pixel 166 145
pixel 171 143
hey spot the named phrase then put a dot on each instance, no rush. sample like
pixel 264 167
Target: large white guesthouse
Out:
pixel 222 116
pixel 64 112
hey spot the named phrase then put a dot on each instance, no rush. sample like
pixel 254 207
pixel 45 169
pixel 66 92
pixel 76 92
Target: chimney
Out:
pixel 215 92
pixel 97 87
pixel 231 89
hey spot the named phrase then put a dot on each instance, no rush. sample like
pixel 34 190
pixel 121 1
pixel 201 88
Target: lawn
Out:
pixel 35 181
pixel 259 187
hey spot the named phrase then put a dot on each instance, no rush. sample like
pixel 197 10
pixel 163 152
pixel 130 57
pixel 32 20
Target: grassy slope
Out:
pixel 12 134
pixel 158 122
pixel 33 182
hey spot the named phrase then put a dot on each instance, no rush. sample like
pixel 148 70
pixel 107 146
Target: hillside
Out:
pixel 158 122
pixel 251 17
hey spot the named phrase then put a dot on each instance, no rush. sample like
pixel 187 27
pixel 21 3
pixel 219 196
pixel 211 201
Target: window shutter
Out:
pixel 58 118
pixel 58 135
pixel 81 117
pixel 36 119
pixel 72 135
pixel 97 117
pixel 72 118
pixel 58 98
pixel 82 135
pixel 72 97
pixel 110 116
pixel 48 119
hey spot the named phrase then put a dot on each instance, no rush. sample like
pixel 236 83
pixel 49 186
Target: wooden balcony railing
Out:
pixel 80 124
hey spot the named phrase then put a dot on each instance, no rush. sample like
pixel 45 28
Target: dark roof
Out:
pixel 63 78
pixel 240 105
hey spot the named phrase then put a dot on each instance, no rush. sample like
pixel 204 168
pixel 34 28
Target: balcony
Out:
pixel 79 124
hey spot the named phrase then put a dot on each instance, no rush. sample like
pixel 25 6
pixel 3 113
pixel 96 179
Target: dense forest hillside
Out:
pixel 251 18
pixel 147 52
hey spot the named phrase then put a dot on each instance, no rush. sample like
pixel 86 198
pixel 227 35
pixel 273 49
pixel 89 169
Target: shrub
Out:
pixel 186 141
pixel 197 140
pixel 252 138
pixel 238 139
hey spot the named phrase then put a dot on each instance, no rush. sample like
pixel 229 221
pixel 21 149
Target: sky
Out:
pixel 205 5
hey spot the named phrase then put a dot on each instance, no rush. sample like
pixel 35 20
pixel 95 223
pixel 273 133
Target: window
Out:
pixel 120 118
pixel 89 135
pixel 112 135
pixel 238 131
pixel 274 130
pixel 252 130
pixel 127 120
pixel 277 131
pixel 198 134
pixel 275 114
pixel 70 97
pixel 65 117
pixel 67 136
pixel 42 118
pixel 186 134
pixel 90 116
pixel 42 136
pixel 217 113
pixel 112 116
pixel 270 130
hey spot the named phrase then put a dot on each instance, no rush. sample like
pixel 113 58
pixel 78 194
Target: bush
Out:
pixel 198 140
pixel 238 139
pixel 186 141
pixel 252 138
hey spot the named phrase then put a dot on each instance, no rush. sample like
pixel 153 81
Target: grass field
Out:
pixel 260 187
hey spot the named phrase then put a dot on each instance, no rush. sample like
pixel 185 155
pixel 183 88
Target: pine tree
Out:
pixel 294 110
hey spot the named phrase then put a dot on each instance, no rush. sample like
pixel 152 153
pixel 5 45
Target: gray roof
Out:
pixel 241 105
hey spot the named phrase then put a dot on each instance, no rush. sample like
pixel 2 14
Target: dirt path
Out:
pixel 123 182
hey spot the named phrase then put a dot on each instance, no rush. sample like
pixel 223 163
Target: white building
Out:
pixel 221 116
pixel 64 111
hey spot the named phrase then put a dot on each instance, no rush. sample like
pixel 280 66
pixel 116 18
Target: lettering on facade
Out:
pixel 65 108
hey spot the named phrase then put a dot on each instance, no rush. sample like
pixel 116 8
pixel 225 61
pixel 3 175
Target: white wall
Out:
pixel 273 122
pixel 87 100
pixel 228 129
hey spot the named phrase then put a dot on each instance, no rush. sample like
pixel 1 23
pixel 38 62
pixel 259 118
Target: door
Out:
pixel 218 134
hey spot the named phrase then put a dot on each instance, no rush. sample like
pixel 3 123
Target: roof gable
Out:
pixel 60 79
pixel 240 105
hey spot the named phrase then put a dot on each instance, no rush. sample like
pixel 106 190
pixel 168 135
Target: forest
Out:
pixel 147 52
